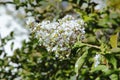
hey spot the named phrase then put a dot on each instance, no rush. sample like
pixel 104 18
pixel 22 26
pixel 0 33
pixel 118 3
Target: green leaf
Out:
pixel 98 78
pixel 100 68
pixel 109 72
pixel 87 18
pixel 1 52
pixel 12 45
pixel 81 60
pixel 112 60
pixel 31 1
pixel 78 44
pixel 113 40
pixel 1 62
pixel 12 34
pixel 16 1
pixel 115 50
pixel 73 77
pixel 114 77
pixel 78 1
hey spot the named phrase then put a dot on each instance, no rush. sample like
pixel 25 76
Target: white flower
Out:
pixel 97 60
pixel 55 48
pixel 60 35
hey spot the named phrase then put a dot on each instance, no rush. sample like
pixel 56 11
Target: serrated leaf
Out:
pixel 113 40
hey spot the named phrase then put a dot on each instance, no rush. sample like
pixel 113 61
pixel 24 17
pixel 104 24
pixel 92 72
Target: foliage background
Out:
pixel 33 62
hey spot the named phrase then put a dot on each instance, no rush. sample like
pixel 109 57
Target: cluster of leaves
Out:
pixel 102 38
pixel 44 9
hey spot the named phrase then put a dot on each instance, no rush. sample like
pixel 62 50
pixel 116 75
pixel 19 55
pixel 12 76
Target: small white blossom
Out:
pixel 60 35
pixel 97 60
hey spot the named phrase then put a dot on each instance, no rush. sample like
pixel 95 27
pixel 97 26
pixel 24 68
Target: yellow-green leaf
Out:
pixel 113 40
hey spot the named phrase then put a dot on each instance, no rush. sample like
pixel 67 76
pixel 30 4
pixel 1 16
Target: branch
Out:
pixel 94 46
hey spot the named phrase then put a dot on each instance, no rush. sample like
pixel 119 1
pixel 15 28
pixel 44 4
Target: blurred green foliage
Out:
pixel 102 38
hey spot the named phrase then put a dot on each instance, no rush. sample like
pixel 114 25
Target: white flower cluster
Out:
pixel 60 35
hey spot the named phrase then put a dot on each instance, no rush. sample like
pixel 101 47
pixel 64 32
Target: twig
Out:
pixel 91 45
